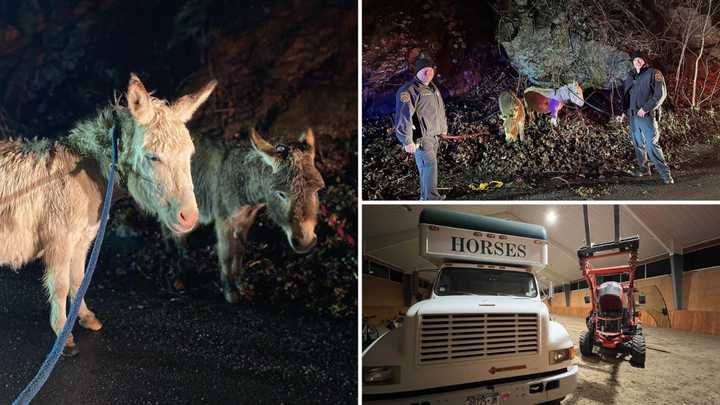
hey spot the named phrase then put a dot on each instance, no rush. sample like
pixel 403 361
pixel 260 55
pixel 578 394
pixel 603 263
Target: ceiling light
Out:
pixel 550 217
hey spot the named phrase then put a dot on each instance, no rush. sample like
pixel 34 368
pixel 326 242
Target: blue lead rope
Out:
pixel 47 367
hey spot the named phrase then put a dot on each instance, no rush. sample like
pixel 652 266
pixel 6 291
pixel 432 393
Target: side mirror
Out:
pixel 587 299
pixel 641 299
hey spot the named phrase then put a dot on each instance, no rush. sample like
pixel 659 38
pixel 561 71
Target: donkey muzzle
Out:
pixel 186 220
pixel 298 246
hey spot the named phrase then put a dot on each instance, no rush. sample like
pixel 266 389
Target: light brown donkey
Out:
pixel 51 194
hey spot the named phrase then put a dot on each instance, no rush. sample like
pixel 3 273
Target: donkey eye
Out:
pixel 152 158
pixel 282 195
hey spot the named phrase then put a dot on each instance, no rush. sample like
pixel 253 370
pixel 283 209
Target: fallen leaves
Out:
pixel 323 280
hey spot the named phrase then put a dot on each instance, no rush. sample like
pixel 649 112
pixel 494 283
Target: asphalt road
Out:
pixel 692 183
pixel 160 349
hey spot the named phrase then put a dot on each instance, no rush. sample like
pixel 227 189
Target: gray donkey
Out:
pixel 51 196
pixel 233 182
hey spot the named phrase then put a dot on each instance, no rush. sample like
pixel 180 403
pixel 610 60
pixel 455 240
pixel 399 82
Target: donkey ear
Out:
pixel 139 102
pixel 186 105
pixel 309 138
pixel 266 151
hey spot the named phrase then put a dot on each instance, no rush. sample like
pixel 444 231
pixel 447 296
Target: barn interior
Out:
pixel 678 272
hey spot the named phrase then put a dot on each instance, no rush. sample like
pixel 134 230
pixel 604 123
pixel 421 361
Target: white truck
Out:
pixel 484 337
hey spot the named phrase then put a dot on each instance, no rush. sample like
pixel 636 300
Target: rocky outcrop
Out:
pixel 546 47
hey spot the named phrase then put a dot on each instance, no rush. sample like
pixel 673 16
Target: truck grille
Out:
pixel 459 337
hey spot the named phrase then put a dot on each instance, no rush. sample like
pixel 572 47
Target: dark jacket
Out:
pixel 423 105
pixel 644 90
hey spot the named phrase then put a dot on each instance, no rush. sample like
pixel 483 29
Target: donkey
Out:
pixel 512 114
pixel 550 101
pixel 51 196
pixel 234 182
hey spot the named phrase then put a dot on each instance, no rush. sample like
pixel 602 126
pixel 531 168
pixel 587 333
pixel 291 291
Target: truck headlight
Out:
pixel 381 375
pixel 558 356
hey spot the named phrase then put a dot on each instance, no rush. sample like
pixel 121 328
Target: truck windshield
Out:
pixel 464 281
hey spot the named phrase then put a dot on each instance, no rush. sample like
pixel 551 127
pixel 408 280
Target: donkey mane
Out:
pixel 302 177
pixel 293 172
pixel 36 146
pixel 40 161
pixel 90 138
pixel 24 168
pixel 259 176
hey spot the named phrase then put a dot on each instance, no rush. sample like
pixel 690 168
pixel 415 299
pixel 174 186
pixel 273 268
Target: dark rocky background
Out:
pixel 484 48
pixel 282 66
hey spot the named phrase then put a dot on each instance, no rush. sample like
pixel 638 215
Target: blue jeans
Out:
pixel 645 137
pixel 426 160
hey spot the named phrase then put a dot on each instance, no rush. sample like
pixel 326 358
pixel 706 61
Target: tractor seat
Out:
pixel 610 296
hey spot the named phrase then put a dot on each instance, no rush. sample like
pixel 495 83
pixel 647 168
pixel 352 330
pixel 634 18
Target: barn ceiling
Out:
pixel 390 232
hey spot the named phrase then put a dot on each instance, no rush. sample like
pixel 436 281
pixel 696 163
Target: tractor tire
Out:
pixel 637 351
pixel 586 343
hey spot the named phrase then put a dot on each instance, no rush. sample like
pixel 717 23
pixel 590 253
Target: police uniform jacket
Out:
pixel 645 90
pixel 422 105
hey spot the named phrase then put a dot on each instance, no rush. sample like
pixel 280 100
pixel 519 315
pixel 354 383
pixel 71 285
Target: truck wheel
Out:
pixel 586 343
pixel 555 402
pixel 637 351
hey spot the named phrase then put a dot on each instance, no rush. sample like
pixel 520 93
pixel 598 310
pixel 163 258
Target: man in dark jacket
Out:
pixel 644 92
pixel 419 120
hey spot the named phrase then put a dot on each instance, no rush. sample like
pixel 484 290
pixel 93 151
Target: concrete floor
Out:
pixel 680 368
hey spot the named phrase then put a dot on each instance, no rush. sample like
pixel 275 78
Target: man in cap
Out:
pixel 419 120
pixel 644 92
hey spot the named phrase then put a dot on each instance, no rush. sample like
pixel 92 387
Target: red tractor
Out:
pixel 613 323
